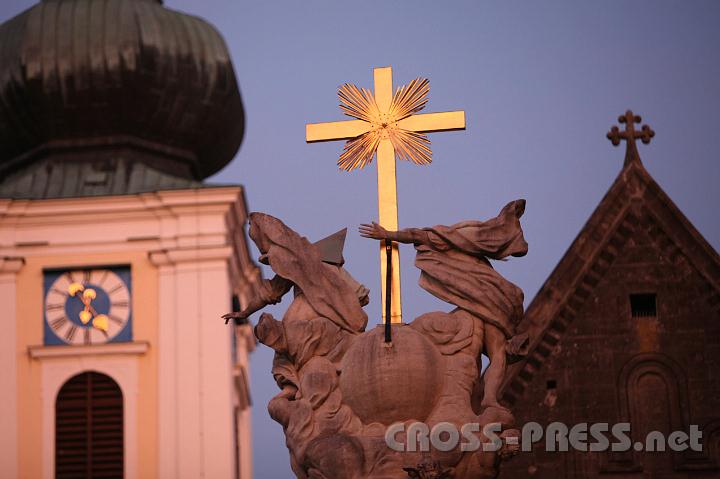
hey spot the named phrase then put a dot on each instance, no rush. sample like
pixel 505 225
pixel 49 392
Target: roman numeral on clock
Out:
pixel 71 333
pixel 120 304
pixel 54 307
pixel 115 289
pixel 60 291
pixel 57 323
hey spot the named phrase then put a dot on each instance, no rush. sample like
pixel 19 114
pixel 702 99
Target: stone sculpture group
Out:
pixel 342 386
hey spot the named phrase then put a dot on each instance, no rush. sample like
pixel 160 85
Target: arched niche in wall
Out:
pixel 652 396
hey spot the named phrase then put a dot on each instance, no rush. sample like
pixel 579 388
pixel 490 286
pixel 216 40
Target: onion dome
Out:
pixel 124 94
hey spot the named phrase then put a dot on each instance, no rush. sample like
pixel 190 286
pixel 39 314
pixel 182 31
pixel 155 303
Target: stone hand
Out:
pixel 242 316
pixel 373 231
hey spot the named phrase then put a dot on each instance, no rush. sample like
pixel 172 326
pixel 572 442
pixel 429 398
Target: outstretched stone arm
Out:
pixel 270 292
pixel 408 235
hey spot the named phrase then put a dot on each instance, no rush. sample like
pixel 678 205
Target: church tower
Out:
pixel 116 258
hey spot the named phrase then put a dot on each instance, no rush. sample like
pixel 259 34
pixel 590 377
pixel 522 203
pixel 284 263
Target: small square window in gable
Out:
pixel 643 305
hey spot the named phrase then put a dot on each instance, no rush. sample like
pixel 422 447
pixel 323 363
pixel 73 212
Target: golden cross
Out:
pixel 386 126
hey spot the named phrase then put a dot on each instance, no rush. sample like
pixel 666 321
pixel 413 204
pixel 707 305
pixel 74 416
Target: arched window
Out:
pixel 89 428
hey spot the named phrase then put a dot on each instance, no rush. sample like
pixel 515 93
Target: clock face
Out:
pixel 87 306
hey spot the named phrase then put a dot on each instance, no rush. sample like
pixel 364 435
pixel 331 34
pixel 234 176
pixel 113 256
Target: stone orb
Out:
pixel 394 383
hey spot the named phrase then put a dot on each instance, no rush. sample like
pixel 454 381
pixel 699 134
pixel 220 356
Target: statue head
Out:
pixel 257 222
pixel 512 212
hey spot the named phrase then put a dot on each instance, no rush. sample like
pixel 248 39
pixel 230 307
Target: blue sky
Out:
pixel 541 84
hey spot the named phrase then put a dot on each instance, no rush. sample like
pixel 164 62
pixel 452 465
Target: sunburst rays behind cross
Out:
pixel 409 145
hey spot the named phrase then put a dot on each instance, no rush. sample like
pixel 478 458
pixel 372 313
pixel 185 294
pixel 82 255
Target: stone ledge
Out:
pixel 166 257
pixel 132 348
pixel 9 264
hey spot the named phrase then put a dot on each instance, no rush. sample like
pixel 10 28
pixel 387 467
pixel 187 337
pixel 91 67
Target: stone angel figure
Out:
pixel 325 314
pixel 455 267
pixel 322 286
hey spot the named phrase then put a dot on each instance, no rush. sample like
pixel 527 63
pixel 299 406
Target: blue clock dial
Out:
pixel 91 306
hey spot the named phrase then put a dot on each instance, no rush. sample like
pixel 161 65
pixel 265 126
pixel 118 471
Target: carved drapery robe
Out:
pixel 329 290
pixel 455 266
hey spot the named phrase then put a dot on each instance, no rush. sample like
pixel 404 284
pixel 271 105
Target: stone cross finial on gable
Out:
pixel 630 135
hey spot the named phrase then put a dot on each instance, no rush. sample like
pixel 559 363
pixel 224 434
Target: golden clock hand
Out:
pixel 88 295
pixel 75 288
pixel 101 322
pixel 85 316
pixel 89 313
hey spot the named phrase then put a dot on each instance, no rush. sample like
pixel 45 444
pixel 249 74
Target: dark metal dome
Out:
pixel 97 79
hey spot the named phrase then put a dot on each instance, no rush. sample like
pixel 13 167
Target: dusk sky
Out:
pixel 541 84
